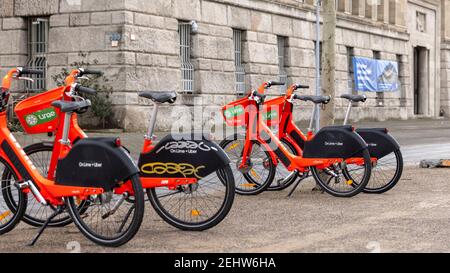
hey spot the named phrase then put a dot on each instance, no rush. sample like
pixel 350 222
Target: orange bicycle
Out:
pixel 94 173
pixel 179 173
pixel 327 154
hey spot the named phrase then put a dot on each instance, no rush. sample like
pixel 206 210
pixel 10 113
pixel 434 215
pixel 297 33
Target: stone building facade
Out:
pixel 211 50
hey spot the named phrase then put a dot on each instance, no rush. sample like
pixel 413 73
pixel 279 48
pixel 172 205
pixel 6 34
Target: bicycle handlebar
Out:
pixel 90 72
pixel 26 71
pixel 274 83
pixel 86 90
pixel 300 86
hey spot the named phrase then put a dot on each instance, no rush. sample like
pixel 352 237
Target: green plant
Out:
pixel 101 103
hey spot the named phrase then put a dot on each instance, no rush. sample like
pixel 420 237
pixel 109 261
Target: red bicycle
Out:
pixel 327 154
pixel 94 174
pixel 180 173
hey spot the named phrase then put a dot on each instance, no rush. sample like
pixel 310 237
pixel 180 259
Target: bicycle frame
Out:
pixel 44 189
pixel 257 129
pixel 292 134
pixel 76 133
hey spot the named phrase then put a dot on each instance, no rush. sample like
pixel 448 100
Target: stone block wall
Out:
pixel 147 54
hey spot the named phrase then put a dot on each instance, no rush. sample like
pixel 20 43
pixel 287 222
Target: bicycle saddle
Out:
pixel 72 106
pixel 354 98
pixel 160 96
pixel 314 99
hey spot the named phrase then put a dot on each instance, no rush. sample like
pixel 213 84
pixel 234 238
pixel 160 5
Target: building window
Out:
pixel 240 71
pixel 282 43
pixel 380 95
pixel 37 52
pixel 187 68
pixel 351 72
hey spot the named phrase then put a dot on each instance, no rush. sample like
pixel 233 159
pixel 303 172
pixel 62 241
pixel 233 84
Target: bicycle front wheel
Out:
pixel 10 215
pixel 260 170
pixel 110 219
pixel 198 206
pixel 335 180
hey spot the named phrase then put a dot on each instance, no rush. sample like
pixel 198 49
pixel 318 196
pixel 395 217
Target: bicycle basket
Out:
pixel 235 112
pixel 36 115
pixel 272 109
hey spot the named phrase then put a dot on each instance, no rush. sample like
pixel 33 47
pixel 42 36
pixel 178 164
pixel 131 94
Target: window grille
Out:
pixel 240 71
pixel 37 52
pixel 187 68
pixel 282 62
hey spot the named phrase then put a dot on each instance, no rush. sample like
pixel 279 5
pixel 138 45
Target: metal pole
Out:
pixel 318 84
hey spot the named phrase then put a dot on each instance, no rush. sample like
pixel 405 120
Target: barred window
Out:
pixel 37 52
pixel 187 68
pixel 240 71
pixel 282 42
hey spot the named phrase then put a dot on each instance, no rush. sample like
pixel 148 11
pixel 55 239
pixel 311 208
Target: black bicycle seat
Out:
pixel 160 96
pixel 354 98
pixel 71 106
pixel 314 99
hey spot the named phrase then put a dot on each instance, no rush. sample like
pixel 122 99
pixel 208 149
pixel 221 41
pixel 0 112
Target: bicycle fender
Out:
pixel 334 142
pixel 95 162
pixel 183 156
pixel 380 142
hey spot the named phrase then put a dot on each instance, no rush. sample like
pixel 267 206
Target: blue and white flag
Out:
pixel 375 75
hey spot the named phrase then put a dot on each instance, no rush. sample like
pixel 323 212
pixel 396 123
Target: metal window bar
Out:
pixel 240 70
pixel 37 52
pixel 187 68
pixel 282 63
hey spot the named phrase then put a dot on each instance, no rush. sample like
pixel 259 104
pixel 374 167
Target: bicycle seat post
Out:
pixel 65 137
pixel 347 114
pixel 311 121
pixel 152 120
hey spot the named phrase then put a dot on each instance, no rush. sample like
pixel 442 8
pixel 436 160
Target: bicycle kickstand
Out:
pixel 300 179
pixel 59 210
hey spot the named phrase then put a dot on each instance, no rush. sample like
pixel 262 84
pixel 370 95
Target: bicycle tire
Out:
pixel 226 176
pixel 354 188
pixel 288 183
pixel 114 241
pixel 254 187
pixel 390 182
pixel 6 192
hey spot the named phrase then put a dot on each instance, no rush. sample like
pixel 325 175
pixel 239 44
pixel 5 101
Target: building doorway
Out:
pixel 421 80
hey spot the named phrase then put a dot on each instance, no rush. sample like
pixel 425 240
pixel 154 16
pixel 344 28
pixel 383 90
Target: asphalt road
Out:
pixel 413 217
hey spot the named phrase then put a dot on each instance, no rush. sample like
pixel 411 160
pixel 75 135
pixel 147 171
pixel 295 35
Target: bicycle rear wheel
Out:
pixel 10 215
pixel 335 181
pixel 386 172
pixel 198 206
pixel 261 171
pixel 110 219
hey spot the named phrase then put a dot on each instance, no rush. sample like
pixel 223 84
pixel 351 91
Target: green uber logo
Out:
pixel 40 117
pixel 234 112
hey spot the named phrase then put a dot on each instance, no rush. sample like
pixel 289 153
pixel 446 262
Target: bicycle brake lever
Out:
pixel 83 78
pixel 25 79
